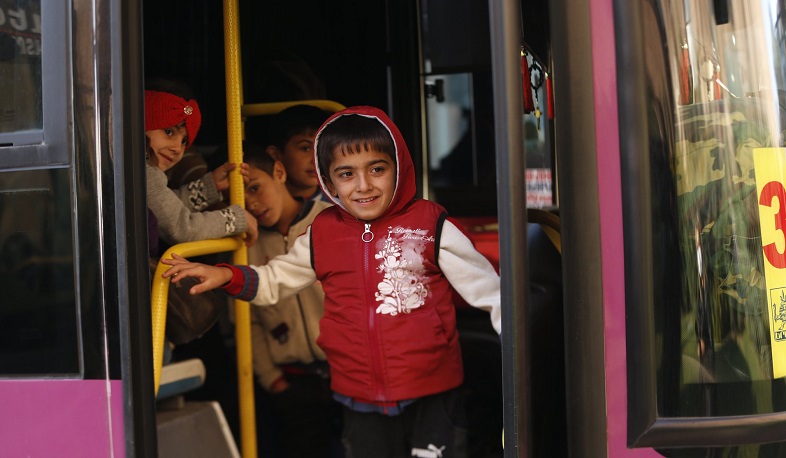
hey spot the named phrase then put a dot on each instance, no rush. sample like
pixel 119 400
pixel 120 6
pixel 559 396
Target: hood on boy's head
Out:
pixel 405 171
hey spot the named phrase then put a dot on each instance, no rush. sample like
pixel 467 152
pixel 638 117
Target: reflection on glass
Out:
pixel 717 95
pixel 451 147
pixel 537 151
pixel 20 66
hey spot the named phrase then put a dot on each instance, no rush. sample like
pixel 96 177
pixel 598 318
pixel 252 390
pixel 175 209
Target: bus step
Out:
pixel 197 430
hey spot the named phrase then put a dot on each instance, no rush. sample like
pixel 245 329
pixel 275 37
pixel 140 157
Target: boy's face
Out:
pixel 364 182
pixel 298 160
pixel 264 194
pixel 168 145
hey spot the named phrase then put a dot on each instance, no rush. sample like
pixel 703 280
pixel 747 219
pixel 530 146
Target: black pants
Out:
pixel 309 419
pixel 433 427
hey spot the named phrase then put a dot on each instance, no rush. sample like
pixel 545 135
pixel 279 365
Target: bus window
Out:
pixel 38 308
pixel 38 317
pixel 715 137
pixel 453 154
pixel 21 114
pixel 460 166
pixel 537 144
pixel 33 89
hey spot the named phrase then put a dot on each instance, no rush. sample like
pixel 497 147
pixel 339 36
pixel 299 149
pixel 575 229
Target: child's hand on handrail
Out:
pixel 252 229
pixel 221 174
pixel 210 277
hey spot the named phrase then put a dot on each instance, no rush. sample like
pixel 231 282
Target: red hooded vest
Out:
pixel 389 328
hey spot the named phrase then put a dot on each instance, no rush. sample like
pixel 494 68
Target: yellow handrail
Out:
pixel 267 108
pixel 234 96
pixel 160 291
pixel 235 113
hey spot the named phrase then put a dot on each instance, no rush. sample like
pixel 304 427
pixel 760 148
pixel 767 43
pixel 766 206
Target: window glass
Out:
pixel 452 152
pixel 716 123
pixel 462 165
pixel 20 67
pixel 536 139
pixel 38 317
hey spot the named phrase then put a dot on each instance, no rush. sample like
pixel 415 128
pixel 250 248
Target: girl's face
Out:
pixel 168 145
pixel 364 182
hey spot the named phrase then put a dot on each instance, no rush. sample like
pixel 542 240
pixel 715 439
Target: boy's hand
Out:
pixel 252 229
pixel 210 277
pixel 221 174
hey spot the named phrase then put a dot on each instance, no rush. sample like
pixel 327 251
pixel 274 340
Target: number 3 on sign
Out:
pixel 770 167
pixel 770 192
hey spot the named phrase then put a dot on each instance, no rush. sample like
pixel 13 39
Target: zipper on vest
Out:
pixel 367 235
pixel 373 337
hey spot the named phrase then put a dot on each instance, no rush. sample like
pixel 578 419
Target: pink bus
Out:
pixel 621 162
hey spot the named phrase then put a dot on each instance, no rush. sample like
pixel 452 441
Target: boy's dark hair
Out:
pixel 253 155
pixel 170 85
pixel 256 156
pixel 297 119
pixel 350 134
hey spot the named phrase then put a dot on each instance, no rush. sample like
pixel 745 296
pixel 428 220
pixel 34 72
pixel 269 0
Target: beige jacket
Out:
pixel 286 332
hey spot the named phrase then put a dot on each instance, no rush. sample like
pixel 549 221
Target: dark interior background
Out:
pixel 292 50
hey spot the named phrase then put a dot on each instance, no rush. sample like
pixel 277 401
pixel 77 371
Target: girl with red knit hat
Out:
pixel 172 120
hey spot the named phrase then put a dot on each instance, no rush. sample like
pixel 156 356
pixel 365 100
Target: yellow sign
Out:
pixel 770 166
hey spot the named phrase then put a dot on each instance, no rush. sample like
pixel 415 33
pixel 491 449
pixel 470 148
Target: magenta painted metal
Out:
pixel 62 418
pixel 604 75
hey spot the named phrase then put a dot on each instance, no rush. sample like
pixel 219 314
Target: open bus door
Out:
pixel 75 337
pixel 627 75
pixel 670 159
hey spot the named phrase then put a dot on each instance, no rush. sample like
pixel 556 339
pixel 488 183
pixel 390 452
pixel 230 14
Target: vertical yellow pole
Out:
pixel 245 372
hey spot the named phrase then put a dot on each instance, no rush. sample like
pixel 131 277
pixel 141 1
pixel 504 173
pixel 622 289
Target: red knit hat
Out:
pixel 163 110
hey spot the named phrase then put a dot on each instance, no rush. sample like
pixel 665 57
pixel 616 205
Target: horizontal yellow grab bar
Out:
pixel 160 292
pixel 268 108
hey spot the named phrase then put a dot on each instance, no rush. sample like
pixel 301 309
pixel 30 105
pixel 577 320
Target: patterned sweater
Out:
pixel 180 212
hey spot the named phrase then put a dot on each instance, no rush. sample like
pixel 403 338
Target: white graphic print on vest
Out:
pixel 402 288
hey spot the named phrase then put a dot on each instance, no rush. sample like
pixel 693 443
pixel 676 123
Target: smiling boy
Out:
pixel 388 264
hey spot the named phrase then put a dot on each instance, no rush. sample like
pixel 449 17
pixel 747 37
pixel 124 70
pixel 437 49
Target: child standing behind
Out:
pixel 172 120
pixel 291 141
pixel 287 361
pixel 388 263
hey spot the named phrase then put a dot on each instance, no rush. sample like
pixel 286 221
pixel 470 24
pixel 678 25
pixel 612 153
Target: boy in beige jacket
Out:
pixel 288 364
